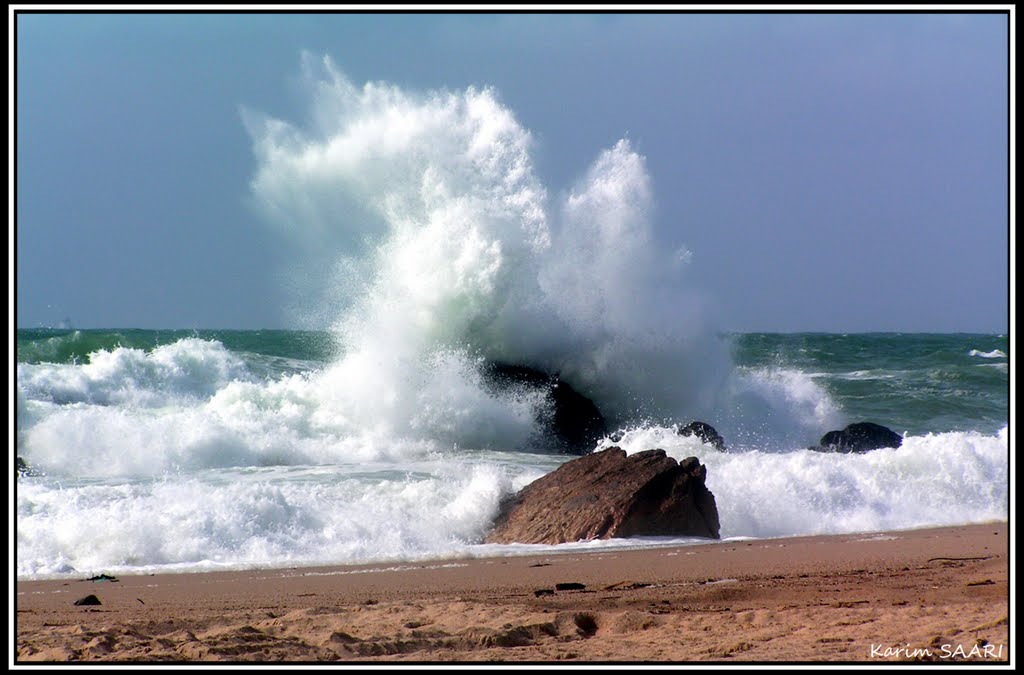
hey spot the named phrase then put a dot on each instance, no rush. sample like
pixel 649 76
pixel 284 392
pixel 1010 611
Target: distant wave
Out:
pixel 994 354
pixel 863 375
pixel 186 369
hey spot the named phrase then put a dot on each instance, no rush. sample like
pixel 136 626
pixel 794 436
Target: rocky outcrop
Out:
pixel 705 432
pixel 609 494
pixel 573 424
pixel 859 437
pixel 23 469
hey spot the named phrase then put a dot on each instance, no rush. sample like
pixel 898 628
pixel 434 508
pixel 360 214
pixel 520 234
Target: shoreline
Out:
pixel 937 594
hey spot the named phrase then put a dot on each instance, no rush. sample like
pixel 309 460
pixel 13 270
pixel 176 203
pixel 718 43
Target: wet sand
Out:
pixel 932 594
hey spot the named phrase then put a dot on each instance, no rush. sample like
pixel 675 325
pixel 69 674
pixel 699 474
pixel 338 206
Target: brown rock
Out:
pixel 607 494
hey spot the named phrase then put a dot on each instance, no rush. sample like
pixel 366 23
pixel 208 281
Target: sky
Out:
pixel 828 172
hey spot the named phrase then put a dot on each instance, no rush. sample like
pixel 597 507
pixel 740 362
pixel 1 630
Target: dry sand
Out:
pixel 933 594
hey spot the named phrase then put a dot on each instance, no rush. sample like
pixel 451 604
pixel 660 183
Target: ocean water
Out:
pixel 199 450
pixel 377 439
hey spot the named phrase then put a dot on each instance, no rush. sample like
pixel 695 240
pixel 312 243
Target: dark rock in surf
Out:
pixel 705 432
pixel 859 437
pixel 23 469
pixel 574 423
pixel 609 494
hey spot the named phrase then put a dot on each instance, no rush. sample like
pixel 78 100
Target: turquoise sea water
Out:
pixel 918 383
pixel 915 383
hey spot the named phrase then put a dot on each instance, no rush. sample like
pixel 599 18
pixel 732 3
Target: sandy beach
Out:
pixel 932 594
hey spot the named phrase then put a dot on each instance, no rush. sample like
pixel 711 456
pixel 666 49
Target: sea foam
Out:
pixel 189 368
pixel 443 504
pixel 250 518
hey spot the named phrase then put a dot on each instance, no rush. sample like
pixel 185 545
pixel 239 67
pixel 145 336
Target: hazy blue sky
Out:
pixel 829 172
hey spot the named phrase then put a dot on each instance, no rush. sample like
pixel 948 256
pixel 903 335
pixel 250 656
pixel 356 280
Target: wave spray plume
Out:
pixel 451 248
